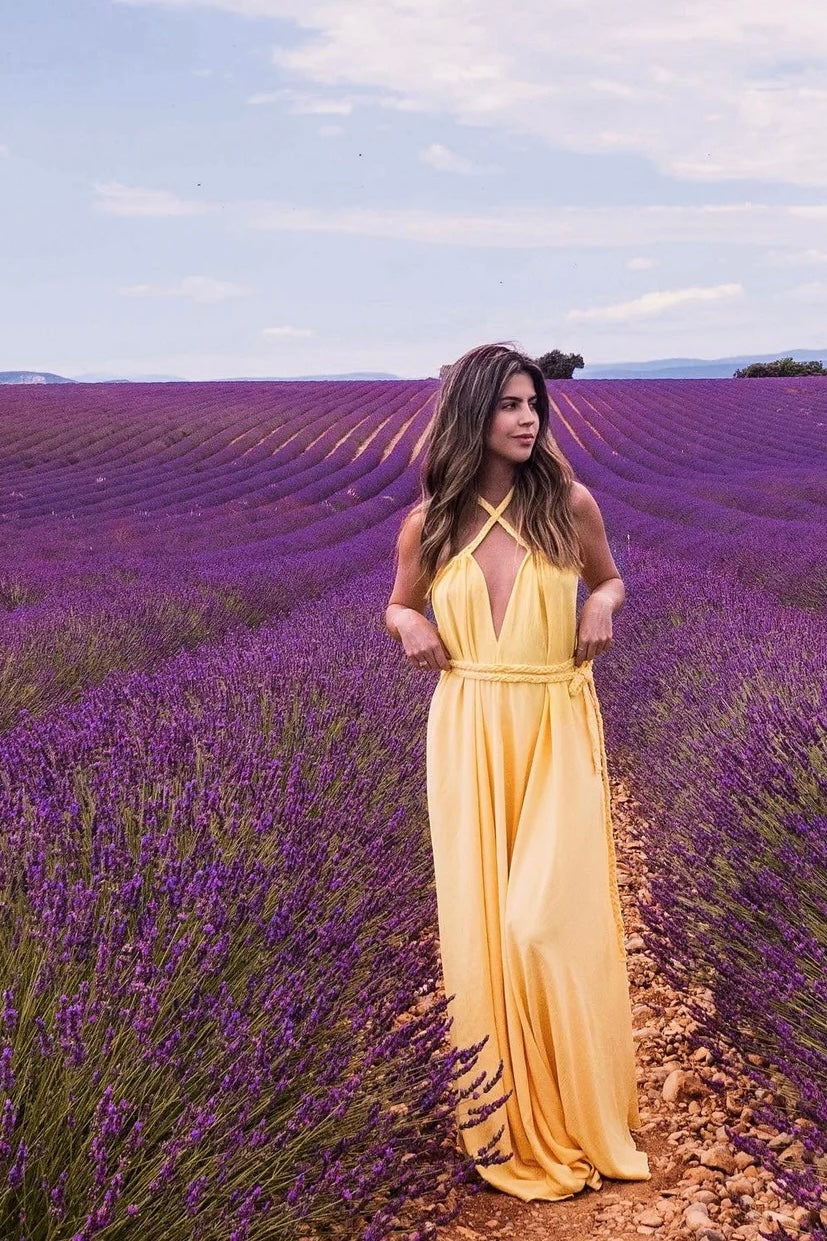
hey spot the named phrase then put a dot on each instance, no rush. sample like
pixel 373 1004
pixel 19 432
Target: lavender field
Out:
pixel 219 995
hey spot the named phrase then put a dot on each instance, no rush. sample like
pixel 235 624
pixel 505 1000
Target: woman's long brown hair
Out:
pixel 454 454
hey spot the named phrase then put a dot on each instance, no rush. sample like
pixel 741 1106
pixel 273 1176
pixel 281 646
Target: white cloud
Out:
pixel 302 104
pixel 639 263
pixel 4 150
pixel 204 289
pixel 129 200
pixel 810 211
pixel 330 131
pixel 287 330
pixel 796 258
pixel 725 224
pixel 812 291
pixel 445 160
pixel 616 90
pixel 652 304
pixel 706 91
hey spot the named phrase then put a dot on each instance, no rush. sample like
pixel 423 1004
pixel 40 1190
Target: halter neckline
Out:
pixel 501 507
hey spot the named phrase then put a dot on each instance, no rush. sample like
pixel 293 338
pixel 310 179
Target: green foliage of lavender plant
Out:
pixel 216 919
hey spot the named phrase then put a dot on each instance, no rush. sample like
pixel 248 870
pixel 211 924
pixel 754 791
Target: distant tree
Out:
pixel 557 365
pixel 779 368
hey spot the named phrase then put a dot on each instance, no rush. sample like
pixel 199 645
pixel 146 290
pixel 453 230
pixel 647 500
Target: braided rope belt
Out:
pixel 580 680
pixel 535 673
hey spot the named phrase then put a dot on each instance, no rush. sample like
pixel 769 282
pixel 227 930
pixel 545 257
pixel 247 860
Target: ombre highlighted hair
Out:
pixel 454 452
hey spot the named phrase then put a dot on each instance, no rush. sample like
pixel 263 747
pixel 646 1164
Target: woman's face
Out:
pixel 513 429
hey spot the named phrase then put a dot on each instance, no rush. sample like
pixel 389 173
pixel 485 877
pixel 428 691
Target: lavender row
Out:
pixel 171 458
pixel 717 423
pixel 134 448
pixel 123 616
pixel 716 693
pixel 219 963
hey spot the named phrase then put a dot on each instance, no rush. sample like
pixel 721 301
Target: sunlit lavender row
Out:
pixel 203 469
pixel 219 922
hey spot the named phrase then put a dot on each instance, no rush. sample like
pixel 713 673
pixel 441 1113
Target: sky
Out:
pixel 223 188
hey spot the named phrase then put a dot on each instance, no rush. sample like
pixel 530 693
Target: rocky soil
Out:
pixel 701 1187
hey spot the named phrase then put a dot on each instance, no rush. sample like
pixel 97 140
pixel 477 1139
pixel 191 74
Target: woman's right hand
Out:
pixel 405 614
pixel 421 642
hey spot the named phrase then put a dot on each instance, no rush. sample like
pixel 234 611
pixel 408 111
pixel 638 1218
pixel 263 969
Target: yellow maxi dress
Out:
pixel 530 926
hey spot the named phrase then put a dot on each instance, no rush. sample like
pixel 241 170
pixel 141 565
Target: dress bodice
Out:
pixel 539 623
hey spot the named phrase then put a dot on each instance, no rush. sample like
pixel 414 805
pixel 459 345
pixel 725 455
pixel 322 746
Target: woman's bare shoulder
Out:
pixel 410 531
pixel 583 503
pixel 417 513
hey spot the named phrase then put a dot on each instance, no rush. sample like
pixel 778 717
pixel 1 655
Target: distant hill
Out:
pixel 96 377
pixel 693 368
pixel 350 375
pixel 32 377
pixel 657 368
pixel 104 377
pixel 101 377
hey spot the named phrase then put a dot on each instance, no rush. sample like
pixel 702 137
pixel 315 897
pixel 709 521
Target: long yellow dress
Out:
pixel 530 926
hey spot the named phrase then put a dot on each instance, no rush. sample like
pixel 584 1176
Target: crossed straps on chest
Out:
pixel 496 516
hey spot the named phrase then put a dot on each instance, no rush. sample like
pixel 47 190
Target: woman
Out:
pixel 531 935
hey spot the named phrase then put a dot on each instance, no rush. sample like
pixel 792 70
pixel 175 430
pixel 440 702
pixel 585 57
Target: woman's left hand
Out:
pixel 594 630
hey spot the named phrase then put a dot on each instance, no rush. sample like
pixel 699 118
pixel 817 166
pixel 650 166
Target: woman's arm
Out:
pixel 607 592
pixel 405 617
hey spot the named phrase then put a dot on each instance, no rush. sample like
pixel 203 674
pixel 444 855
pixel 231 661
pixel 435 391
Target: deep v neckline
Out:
pixel 496 518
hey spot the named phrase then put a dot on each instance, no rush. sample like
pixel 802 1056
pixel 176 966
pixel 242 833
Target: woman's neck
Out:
pixel 495 480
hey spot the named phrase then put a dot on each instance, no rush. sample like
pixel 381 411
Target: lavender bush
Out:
pixel 717 693
pixel 218 930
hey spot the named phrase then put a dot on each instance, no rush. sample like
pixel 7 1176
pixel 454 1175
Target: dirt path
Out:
pixel 700 1187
